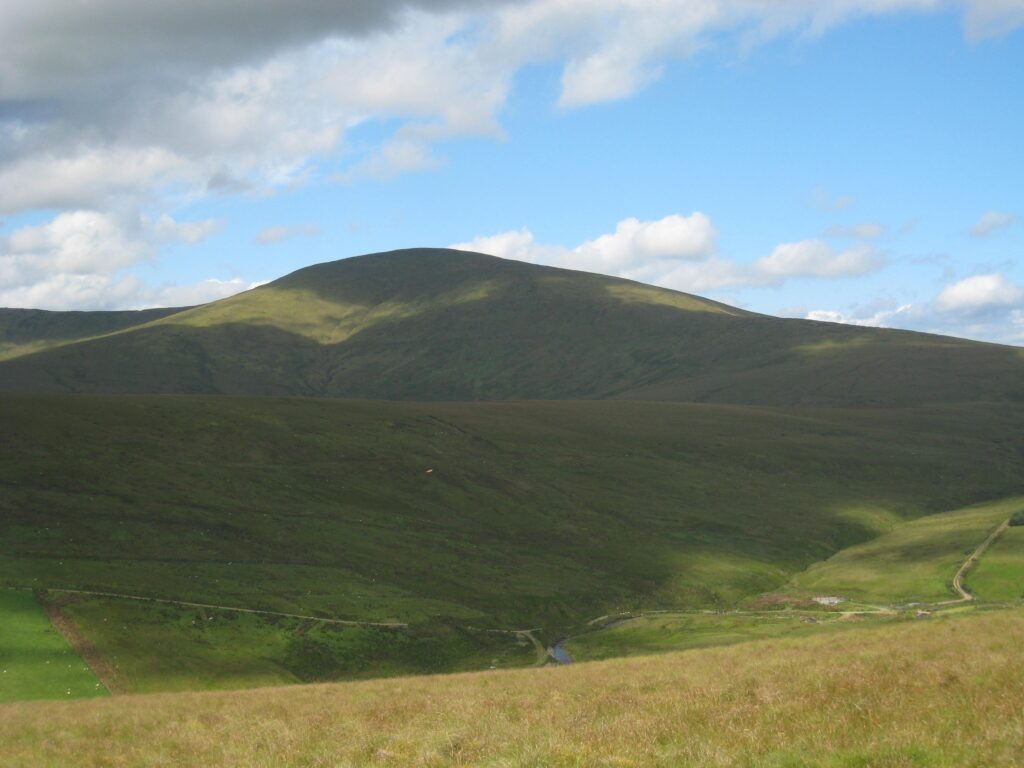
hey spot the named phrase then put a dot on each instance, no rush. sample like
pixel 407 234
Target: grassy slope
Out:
pixel 150 647
pixel 35 661
pixel 658 633
pixel 535 514
pixel 446 325
pixel 999 575
pixel 916 561
pixel 26 331
pixel 934 694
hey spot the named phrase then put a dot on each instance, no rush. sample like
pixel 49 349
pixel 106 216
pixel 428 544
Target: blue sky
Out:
pixel 855 161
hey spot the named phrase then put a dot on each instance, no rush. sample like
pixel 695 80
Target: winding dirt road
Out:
pixel 958 579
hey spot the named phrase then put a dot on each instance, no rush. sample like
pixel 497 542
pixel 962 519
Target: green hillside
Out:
pixel 915 561
pixel 25 331
pixel 446 516
pixel 35 661
pixel 430 324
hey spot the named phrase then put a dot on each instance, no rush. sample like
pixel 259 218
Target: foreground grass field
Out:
pixel 941 693
pixel 35 661
pixel 917 560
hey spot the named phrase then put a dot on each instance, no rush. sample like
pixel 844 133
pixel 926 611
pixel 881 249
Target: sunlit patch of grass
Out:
pixel 35 661
pixel 943 693
pixel 305 312
pixel 999 574
pixel 876 520
pixel 637 293
pixel 916 561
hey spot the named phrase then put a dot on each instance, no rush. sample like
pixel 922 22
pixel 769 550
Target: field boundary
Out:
pixel 233 609
pixel 105 672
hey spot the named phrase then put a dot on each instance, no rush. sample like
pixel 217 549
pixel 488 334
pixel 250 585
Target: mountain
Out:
pixel 435 324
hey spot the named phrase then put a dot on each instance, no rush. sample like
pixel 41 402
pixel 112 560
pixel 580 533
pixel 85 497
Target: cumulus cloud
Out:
pixel 125 99
pixel 634 249
pixel 55 45
pixel 74 243
pixel 191 232
pixel 82 260
pixel 272 235
pixel 992 221
pixel 987 307
pixel 980 293
pixel 816 258
pixel 888 315
pixel 86 176
pixel 680 252
pixel 111 292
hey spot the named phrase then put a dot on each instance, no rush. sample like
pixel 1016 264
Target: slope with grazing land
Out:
pixel 35 661
pixel 454 518
pixel 917 560
pixel 945 693
pixel 26 331
pixel 434 324
pixel 999 575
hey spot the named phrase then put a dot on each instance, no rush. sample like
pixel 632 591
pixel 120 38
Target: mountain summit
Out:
pixel 438 324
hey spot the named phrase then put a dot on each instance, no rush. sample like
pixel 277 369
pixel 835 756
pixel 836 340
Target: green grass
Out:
pixel 27 331
pixel 999 575
pixel 35 661
pixel 534 514
pixel 916 561
pixel 430 324
pixel 152 647
pixel 660 633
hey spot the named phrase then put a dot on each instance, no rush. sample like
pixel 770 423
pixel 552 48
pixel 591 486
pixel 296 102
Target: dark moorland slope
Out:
pixel 517 513
pixel 434 324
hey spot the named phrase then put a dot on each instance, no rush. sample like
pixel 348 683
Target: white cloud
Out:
pixel 680 252
pixel 80 260
pixel 635 248
pixel 985 307
pixel 980 293
pixel 76 176
pixel 993 18
pixel 516 244
pixel 637 244
pixel 816 258
pixel 887 317
pixel 63 291
pixel 272 235
pixel 191 232
pixel 869 230
pixel 992 221
pixel 75 243
pixel 131 100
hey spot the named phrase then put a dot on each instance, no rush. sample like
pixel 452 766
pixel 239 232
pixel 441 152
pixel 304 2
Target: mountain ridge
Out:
pixel 440 324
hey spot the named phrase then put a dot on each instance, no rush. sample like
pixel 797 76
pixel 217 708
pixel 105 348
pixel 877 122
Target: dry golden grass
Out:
pixel 941 692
